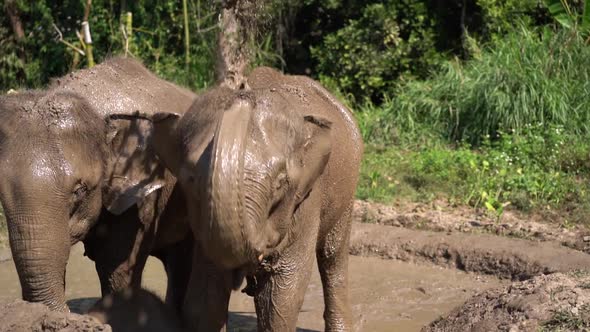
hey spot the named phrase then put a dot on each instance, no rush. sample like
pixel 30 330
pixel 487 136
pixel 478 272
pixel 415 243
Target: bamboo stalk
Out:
pixel 87 35
pixel 187 54
pixel 129 32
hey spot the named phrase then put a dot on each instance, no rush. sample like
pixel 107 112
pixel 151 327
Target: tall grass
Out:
pixel 528 77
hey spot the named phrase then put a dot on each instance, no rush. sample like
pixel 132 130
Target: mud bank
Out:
pixel 439 216
pixel 556 302
pixel 21 316
pixel 506 258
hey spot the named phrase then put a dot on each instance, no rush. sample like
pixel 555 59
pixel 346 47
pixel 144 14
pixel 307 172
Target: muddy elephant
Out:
pixel 269 172
pixel 136 310
pixel 69 175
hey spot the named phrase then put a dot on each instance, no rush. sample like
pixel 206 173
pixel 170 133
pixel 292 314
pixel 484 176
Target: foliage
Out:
pixel 527 77
pixel 3 230
pixel 499 16
pixel 567 13
pixel 391 41
pixel 156 39
pixel 538 169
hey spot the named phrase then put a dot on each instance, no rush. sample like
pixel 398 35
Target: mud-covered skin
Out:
pixel 269 172
pixel 65 169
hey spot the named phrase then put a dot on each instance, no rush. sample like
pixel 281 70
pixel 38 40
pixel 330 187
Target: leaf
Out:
pixel 490 207
pixel 586 16
pixel 560 12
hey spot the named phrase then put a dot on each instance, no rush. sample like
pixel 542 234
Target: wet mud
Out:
pixel 402 280
pixel 386 295
pixel 507 258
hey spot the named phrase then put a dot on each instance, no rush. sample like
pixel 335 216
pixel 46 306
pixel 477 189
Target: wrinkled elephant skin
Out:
pixel 269 172
pixel 68 174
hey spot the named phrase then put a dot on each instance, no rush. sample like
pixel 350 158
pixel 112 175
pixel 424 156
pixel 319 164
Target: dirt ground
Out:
pixel 556 302
pixel 410 265
pixel 21 316
pixel 439 216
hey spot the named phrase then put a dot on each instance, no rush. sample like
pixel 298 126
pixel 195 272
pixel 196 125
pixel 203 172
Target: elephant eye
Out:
pixel 280 181
pixel 80 190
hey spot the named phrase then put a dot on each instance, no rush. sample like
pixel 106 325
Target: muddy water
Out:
pixel 386 295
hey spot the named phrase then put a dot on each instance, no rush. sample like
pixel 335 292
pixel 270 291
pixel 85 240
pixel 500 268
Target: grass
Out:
pixel 507 129
pixel 567 321
pixel 538 169
pixel 529 76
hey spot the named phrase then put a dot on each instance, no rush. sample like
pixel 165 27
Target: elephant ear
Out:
pixel 165 142
pixel 311 159
pixel 134 170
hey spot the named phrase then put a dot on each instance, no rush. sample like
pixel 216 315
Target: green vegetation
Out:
pixel 537 170
pixel 508 128
pixel 529 76
pixel 565 320
pixel 156 37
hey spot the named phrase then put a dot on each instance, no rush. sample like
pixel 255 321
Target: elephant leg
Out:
pixel 207 299
pixel 332 257
pixel 119 246
pixel 177 261
pixel 280 294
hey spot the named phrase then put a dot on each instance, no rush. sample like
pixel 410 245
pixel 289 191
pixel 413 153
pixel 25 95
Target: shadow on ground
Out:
pixel 245 322
pixel 237 322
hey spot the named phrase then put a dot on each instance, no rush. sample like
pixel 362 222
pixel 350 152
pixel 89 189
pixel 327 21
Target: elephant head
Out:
pixel 61 163
pixel 245 160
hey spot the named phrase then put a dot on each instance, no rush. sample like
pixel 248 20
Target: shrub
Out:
pixel 540 168
pixel 528 77
pixel 391 41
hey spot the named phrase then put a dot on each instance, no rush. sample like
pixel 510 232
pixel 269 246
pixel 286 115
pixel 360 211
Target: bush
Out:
pixel 157 39
pixel 538 169
pixel 528 77
pixel 391 41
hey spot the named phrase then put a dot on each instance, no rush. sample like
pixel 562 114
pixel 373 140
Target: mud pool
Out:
pixel 386 295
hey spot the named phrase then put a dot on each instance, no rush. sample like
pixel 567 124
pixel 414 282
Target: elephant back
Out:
pixel 124 86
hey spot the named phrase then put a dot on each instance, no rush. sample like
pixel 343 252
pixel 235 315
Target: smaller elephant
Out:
pixel 269 173
pixel 67 174
pixel 136 310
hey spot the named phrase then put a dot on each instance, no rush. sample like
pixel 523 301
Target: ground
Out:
pixel 21 316
pixel 556 302
pixel 411 265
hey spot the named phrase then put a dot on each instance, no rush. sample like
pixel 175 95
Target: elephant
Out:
pixel 136 310
pixel 69 173
pixel 269 172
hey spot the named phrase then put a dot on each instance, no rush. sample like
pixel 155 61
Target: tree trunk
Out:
pixel 15 21
pixel 233 49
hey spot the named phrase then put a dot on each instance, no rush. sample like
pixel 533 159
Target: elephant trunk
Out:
pixel 40 250
pixel 228 237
